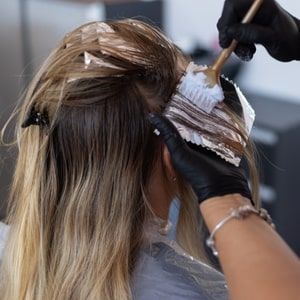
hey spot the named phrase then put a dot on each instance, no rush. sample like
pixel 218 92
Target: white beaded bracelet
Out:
pixel 239 213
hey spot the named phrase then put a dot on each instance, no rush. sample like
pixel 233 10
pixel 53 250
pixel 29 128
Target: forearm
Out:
pixel 256 262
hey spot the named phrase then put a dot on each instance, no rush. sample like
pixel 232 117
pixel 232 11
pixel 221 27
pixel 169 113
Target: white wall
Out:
pixel 10 53
pixel 49 21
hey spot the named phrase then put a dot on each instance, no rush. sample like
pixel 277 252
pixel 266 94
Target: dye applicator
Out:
pixel 212 73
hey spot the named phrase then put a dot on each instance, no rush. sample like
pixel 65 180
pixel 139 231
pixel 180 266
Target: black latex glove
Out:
pixel 272 27
pixel 208 174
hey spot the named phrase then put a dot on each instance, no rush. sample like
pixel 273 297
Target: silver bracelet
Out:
pixel 240 213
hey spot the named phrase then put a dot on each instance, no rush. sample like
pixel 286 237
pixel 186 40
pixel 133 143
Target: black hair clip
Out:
pixel 37 118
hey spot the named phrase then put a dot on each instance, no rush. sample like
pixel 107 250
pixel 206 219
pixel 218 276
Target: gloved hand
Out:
pixel 208 174
pixel 273 27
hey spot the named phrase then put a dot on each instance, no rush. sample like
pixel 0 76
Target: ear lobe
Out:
pixel 168 165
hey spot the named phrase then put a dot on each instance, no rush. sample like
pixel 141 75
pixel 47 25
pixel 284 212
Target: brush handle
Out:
pixel 225 53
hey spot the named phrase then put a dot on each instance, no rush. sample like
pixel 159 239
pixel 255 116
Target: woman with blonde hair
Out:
pixel 90 198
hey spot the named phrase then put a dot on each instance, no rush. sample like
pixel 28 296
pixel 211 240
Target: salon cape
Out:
pixel 165 271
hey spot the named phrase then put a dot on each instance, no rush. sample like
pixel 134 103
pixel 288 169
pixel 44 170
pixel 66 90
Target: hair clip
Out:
pixel 37 118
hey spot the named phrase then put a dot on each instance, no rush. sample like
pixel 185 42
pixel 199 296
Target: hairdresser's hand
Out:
pixel 272 27
pixel 208 174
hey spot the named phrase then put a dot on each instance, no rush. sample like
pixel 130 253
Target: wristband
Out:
pixel 240 213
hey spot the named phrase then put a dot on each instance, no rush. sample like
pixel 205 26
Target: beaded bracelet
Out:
pixel 240 213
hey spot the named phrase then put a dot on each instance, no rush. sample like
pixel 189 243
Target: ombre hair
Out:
pixel 79 200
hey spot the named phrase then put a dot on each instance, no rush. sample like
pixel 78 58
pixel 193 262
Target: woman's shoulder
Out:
pixel 163 273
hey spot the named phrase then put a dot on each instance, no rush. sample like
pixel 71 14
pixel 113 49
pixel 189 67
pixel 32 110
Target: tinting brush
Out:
pixel 212 73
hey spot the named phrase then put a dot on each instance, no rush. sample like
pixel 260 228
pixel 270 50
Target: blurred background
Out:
pixel 29 29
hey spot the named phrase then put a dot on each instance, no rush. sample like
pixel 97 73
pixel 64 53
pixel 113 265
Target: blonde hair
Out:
pixel 79 196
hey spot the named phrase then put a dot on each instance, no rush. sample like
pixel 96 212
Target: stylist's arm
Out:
pixel 256 262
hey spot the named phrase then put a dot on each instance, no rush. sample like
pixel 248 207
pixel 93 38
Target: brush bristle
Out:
pixel 195 87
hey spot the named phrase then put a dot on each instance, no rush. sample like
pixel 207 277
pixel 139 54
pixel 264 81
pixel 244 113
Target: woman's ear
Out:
pixel 168 165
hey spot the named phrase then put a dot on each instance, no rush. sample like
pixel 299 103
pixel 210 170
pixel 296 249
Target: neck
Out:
pixel 159 196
